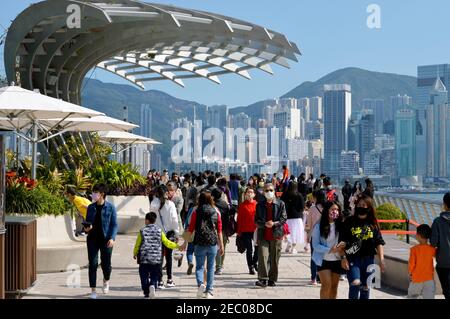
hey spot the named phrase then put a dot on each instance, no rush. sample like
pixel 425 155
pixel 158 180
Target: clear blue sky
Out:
pixel 331 34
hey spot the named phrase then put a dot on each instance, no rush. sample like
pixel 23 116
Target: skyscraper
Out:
pixel 426 78
pixel 377 107
pixel 405 142
pixel 398 102
pixel 348 165
pixel 146 120
pixel 438 131
pixel 366 135
pixel 315 106
pixel 337 108
pixel 217 116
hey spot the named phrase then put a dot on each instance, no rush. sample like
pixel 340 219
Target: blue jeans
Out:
pixel 209 253
pixel 313 265
pixel 190 253
pixel 149 276
pixel 358 271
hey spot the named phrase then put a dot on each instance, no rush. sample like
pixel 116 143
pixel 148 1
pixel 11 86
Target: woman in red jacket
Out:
pixel 246 227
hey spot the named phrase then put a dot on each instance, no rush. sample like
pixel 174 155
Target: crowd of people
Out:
pixel 195 216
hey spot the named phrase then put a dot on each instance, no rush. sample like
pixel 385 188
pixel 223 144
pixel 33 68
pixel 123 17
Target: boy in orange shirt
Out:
pixel 421 270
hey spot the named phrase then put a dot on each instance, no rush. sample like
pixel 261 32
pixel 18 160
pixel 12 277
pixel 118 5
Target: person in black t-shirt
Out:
pixel 363 240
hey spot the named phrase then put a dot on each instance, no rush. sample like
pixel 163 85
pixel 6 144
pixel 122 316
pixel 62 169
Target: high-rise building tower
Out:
pixel 405 142
pixel 146 120
pixel 217 116
pixel 337 109
pixel 377 107
pixel 438 131
pixel 315 106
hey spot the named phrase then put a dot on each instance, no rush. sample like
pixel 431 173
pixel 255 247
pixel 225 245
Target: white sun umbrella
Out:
pixel 126 138
pixel 93 124
pixel 22 108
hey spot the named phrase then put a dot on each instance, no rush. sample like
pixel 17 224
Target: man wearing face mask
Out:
pixel 101 227
pixel 270 219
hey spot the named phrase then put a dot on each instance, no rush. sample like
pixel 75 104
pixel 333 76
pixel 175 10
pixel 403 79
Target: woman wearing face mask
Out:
pixel 325 241
pixel 101 227
pixel 167 220
pixel 246 227
pixel 362 237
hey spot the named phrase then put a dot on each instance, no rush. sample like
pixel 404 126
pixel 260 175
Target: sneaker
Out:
pixel 288 249
pixel 272 283
pixel 170 284
pixel 93 295
pixel 201 291
pixel 105 287
pixel 294 252
pixel 146 297
pixel 208 295
pixel 190 267
pixel 218 272
pixel 312 283
pixel 342 277
pixel 152 292
pixel 161 285
pixel 261 283
pixel 251 271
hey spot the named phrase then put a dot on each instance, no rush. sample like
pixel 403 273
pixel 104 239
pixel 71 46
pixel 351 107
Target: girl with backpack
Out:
pixel 208 242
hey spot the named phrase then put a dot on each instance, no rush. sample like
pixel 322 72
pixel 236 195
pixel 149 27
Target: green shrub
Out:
pixel 38 201
pixel 116 175
pixel 389 211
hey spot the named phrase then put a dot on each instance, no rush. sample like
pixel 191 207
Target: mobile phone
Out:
pixel 86 224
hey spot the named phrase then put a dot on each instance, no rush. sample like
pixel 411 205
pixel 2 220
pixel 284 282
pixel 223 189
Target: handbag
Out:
pixel 240 244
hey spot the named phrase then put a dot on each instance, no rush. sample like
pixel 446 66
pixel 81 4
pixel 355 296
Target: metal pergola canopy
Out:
pixel 140 42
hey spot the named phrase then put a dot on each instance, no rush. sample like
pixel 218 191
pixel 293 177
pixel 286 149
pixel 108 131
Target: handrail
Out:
pixel 406 232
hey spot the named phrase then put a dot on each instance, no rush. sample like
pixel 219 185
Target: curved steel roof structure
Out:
pixel 137 41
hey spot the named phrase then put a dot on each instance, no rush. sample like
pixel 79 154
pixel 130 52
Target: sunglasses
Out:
pixel 269 190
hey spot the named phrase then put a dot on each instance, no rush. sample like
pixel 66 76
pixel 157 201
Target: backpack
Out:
pixel 205 228
pixel 229 223
pixel 332 196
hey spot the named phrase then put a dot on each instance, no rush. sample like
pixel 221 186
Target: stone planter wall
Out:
pixel 131 212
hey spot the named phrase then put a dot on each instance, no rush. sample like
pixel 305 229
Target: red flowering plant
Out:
pixel 13 180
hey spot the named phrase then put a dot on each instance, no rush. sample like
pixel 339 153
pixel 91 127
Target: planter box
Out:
pixel 131 212
pixel 58 249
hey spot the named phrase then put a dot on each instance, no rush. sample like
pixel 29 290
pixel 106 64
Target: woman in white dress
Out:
pixel 295 205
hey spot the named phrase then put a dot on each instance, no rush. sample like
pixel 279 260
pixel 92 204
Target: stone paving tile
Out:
pixel 235 283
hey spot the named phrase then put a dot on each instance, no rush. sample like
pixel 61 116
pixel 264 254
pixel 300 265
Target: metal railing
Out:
pixel 407 230
pixel 421 210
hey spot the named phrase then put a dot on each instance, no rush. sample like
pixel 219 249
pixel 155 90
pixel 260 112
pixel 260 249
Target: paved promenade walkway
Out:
pixel 235 282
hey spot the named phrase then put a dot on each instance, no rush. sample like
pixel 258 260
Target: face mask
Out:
pixel 361 211
pixel 249 197
pixel 95 197
pixel 334 214
pixel 269 195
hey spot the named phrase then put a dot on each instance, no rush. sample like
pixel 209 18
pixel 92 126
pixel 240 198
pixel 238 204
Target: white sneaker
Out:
pixel 208 295
pixel 294 252
pixel 201 291
pixel 93 295
pixel 105 287
pixel 152 292
pixel 170 284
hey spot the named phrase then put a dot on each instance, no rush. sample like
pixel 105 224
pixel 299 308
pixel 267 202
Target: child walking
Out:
pixel 148 252
pixel 421 270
